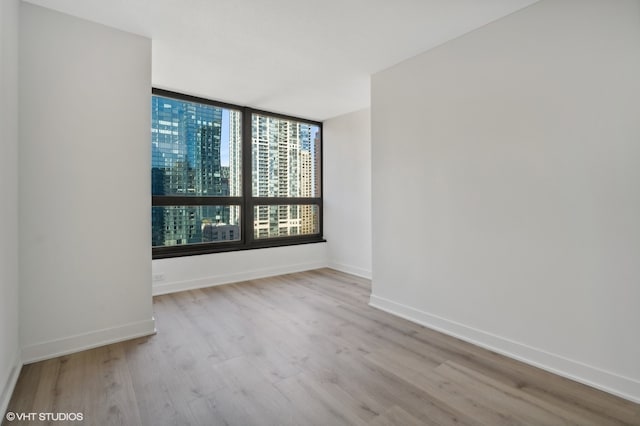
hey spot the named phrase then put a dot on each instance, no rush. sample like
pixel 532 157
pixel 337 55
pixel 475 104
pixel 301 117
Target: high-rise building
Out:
pixel 309 188
pixel 283 166
pixel 186 160
pixel 235 161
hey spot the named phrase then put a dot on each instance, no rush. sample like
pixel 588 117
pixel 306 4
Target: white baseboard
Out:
pixel 81 342
pixel 615 384
pixel 214 280
pixel 350 269
pixel 9 386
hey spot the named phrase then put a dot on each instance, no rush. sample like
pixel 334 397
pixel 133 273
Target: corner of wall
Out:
pixel 9 386
pixel 10 362
pixel 350 269
pixel 347 183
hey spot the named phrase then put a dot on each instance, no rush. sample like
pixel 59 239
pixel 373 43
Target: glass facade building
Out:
pixel 194 153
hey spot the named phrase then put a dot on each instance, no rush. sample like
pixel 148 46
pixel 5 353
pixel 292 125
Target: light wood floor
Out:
pixel 302 349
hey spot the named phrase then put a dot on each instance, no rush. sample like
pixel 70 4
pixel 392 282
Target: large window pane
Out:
pixel 285 220
pixel 180 225
pixel 285 157
pixel 204 194
pixel 196 149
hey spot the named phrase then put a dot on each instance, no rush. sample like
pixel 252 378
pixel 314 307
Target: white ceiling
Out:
pixel 307 58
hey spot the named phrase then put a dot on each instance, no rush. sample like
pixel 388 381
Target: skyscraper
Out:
pixel 186 160
pixel 235 160
pixel 283 166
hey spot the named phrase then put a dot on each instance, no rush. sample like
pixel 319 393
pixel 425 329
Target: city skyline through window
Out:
pixel 196 152
pixel 198 176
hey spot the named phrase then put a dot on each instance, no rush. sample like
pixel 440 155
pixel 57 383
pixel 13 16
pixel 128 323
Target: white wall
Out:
pixel 9 346
pixel 85 232
pixel 506 205
pixel 184 273
pixel 347 192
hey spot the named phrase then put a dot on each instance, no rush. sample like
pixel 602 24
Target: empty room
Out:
pixel 279 212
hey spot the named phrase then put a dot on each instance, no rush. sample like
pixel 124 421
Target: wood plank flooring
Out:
pixel 302 349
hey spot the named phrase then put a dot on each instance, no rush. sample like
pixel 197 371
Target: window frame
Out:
pixel 246 201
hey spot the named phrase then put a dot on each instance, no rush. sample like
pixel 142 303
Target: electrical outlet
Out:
pixel 158 277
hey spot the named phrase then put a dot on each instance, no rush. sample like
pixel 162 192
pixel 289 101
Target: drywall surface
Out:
pixel 9 344
pixel 505 189
pixel 85 231
pixel 347 192
pixel 185 273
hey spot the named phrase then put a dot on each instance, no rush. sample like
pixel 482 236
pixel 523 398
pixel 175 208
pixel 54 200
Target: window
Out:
pixel 225 177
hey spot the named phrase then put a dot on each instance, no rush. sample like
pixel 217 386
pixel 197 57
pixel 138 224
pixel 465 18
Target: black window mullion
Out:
pixel 278 201
pixel 179 200
pixel 195 99
pixel 247 178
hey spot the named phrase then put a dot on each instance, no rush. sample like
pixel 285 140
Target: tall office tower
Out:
pixel 186 142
